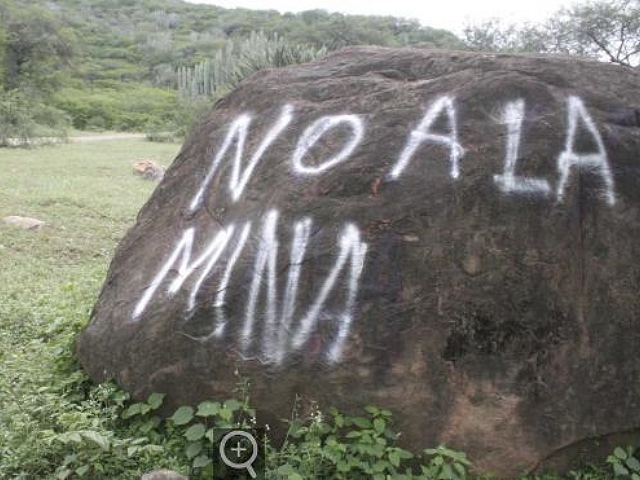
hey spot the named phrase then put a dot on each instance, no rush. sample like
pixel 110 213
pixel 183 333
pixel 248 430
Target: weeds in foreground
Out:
pixel 113 437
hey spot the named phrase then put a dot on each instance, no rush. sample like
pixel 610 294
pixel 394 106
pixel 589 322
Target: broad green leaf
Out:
pixel 361 422
pixel 75 437
pixel 378 450
pixel 83 470
pixel 285 469
pixel 448 473
pixel 620 453
pixel 232 404
pixel 131 411
pixel 201 461
pixel 633 464
pixel 394 458
pixel 208 409
pixel 460 468
pixel 404 453
pixel 182 416
pixel 379 425
pixel 97 438
pixel 620 469
pixel 154 448
pixel 225 414
pixel 193 450
pixel 63 474
pixel 155 400
pixel 147 426
pixel 195 432
pixel 380 466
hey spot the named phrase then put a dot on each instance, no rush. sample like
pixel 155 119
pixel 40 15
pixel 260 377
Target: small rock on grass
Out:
pixel 163 475
pixel 25 223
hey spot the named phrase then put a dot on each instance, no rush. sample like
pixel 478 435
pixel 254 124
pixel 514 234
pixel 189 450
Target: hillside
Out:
pixel 119 64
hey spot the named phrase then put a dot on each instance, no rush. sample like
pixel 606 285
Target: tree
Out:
pixel 605 29
pixel 602 29
pixel 494 36
pixel 35 48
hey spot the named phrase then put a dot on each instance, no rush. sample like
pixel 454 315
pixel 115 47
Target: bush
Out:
pixel 162 137
pixel 24 121
pixel 129 107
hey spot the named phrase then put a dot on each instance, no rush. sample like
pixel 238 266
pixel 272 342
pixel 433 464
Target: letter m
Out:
pixel 181 262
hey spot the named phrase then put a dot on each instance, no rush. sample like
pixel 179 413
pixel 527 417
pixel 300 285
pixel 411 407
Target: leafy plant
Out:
pixel 238 60
pixel 446 464
pixel 624 463
pixel 340 446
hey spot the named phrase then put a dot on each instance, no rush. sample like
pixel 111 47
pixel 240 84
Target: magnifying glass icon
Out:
pixel 238 449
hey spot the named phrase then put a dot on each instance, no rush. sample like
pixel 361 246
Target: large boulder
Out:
pixel 452 236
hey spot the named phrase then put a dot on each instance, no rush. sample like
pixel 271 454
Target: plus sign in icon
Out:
pixel 238 449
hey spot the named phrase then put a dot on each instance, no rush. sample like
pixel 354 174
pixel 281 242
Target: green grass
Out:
pixel 49 279
pixel 89 197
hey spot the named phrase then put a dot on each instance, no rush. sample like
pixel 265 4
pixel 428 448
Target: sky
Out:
pixel 449 14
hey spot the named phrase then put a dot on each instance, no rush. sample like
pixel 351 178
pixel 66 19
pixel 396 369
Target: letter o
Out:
pixel 315 131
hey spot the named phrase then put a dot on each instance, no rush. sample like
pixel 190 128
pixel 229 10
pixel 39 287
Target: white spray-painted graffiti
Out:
pixel 569 158
pixel 279 335
pixel 312 134
pixel 272 305
pixel 181 255
pixel 423 134
pixel 509 182
pixel 239 131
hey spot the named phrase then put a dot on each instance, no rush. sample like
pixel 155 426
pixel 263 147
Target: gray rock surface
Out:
pixel 448 235
pixel 163 475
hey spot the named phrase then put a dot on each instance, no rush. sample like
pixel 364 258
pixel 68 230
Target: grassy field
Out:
pixel 56 424
pixel 89 196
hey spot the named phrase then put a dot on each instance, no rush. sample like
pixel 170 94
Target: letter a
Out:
pixel 569 158
pixel 423 133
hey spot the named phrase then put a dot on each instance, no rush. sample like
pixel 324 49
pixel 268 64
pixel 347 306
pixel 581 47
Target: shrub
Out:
pixel 131 107
pixel 24 121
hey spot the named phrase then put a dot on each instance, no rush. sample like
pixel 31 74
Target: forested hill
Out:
pixel 129 64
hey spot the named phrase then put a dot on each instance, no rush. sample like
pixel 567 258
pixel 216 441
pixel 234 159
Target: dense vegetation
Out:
pixel 156 65
pixel 141 65
pixel 607 30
